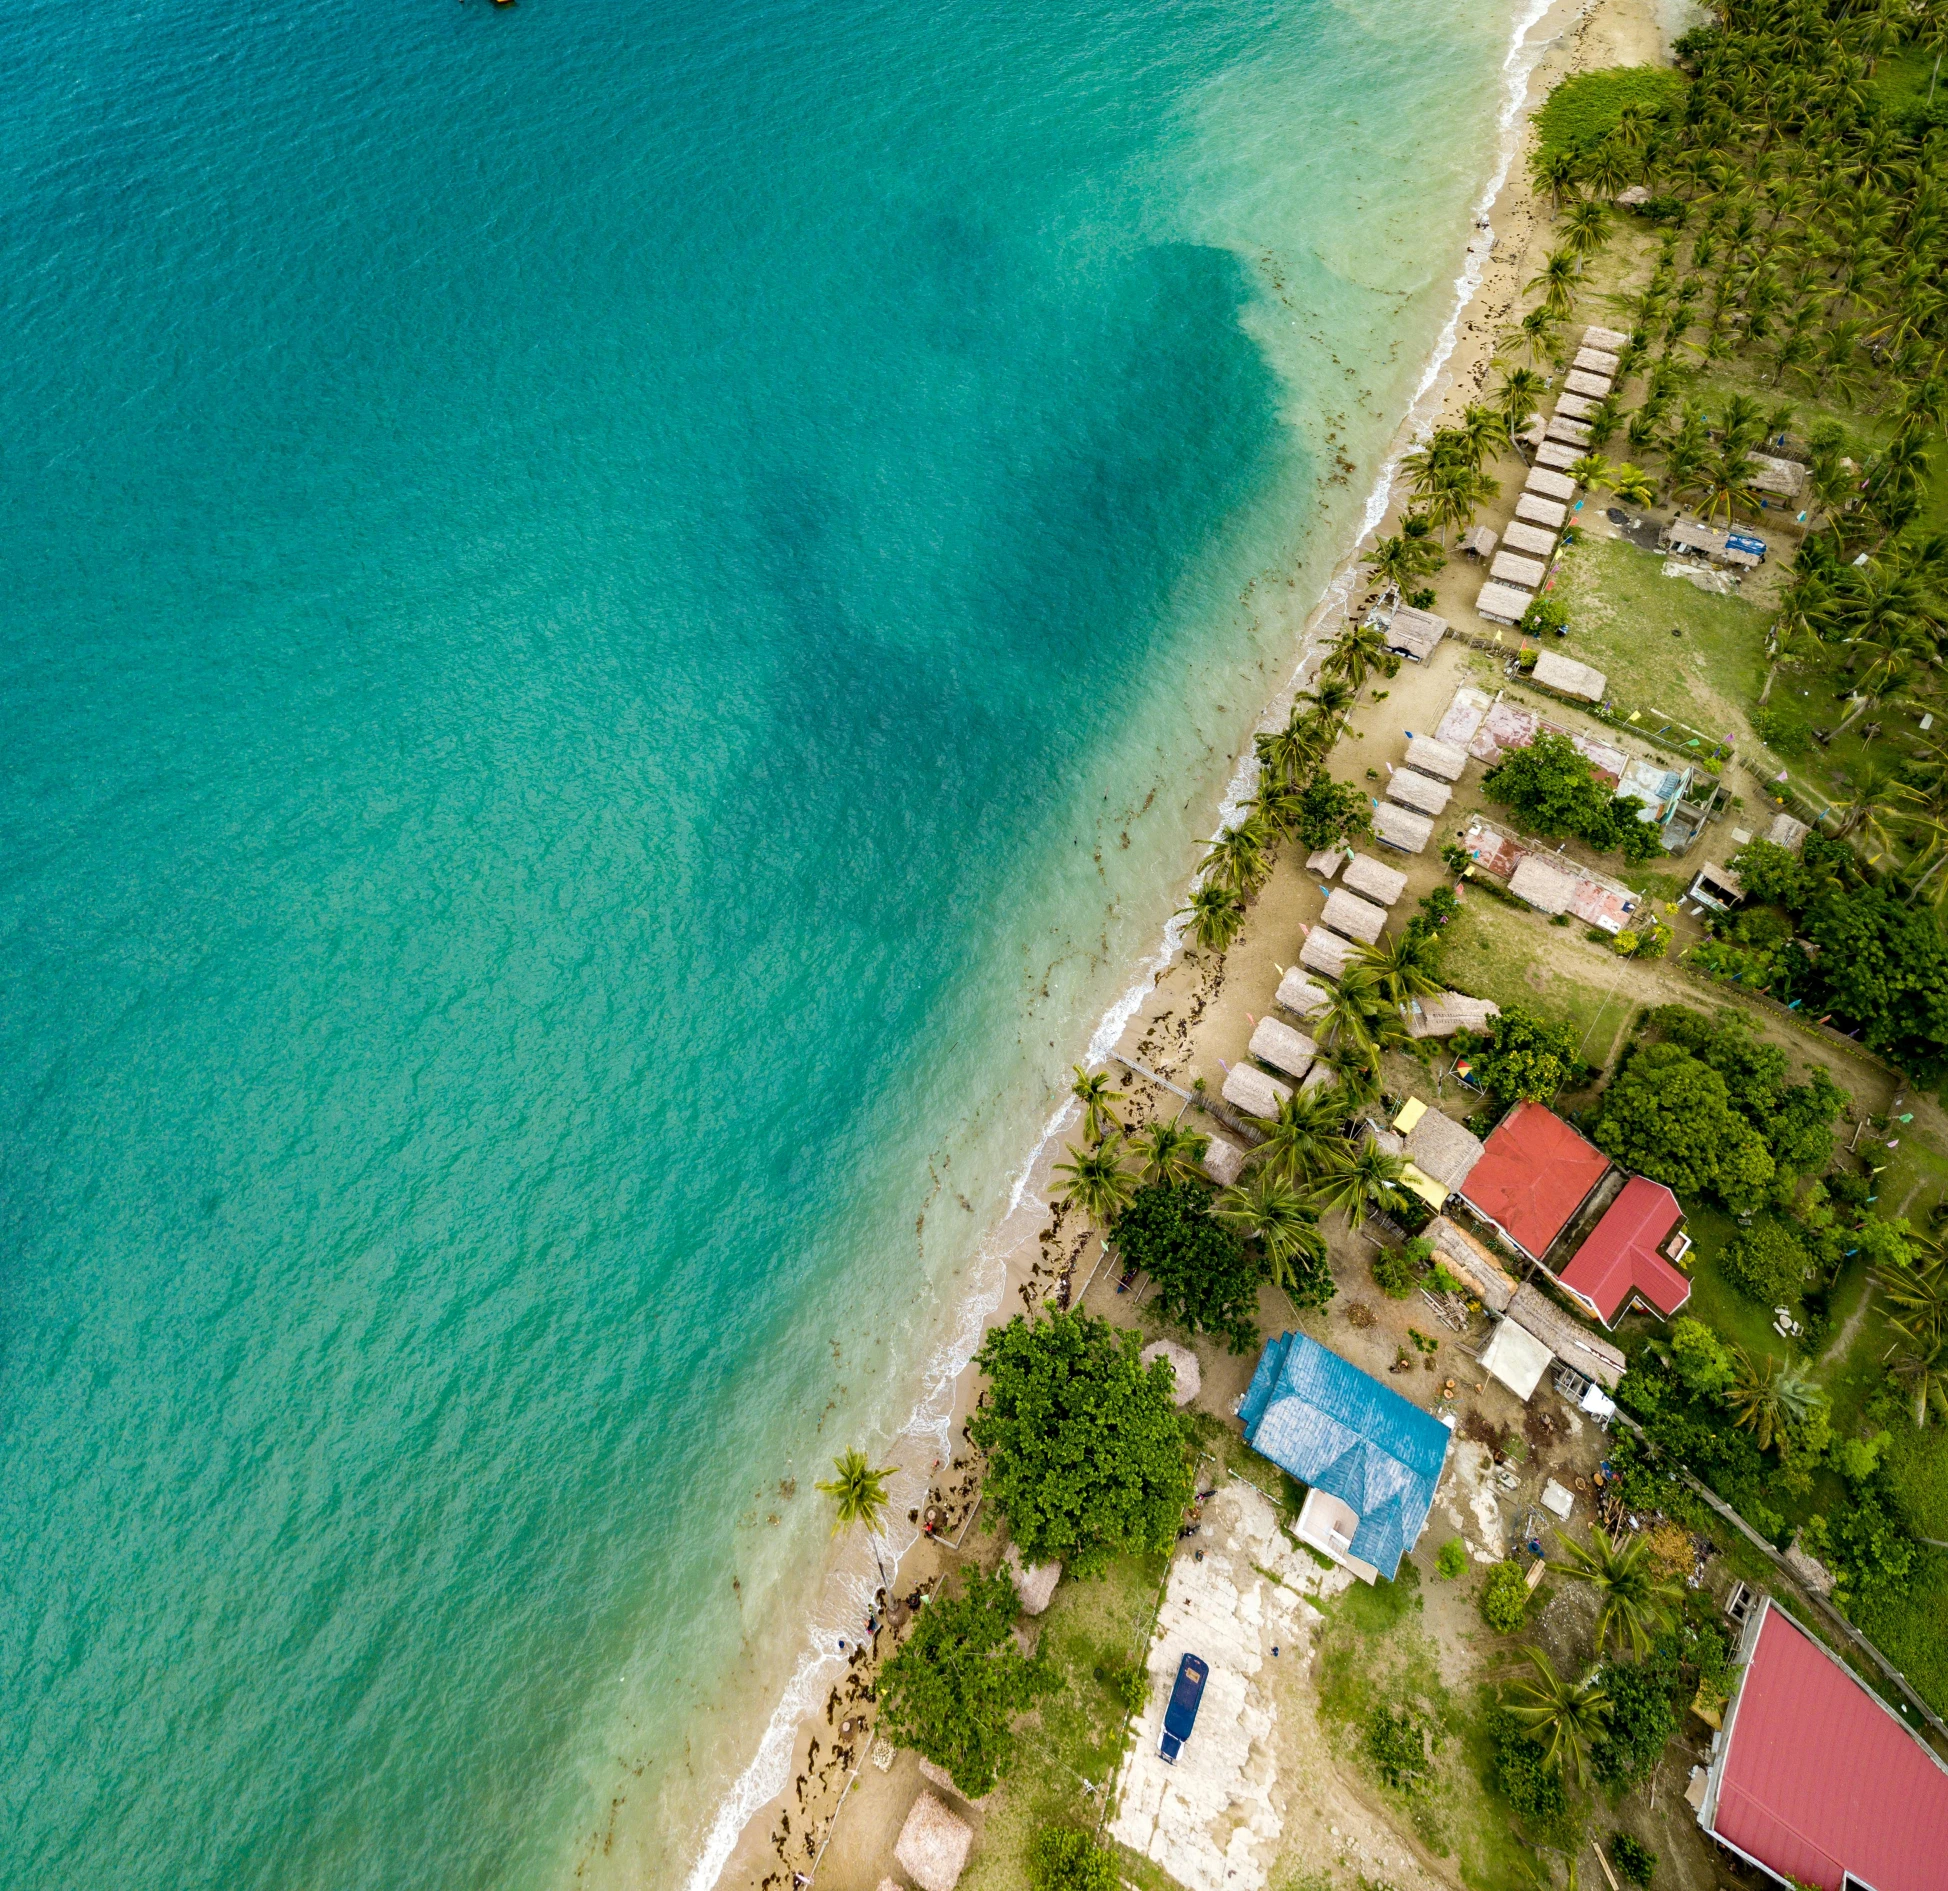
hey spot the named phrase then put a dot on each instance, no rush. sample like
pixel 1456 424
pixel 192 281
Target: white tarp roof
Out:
pixel 1516 1357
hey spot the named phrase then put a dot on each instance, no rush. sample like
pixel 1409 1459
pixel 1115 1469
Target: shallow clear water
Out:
pixel 619 622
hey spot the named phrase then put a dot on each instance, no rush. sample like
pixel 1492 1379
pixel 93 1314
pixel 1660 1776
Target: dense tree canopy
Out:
pixel 1521 1056
pixel 1204 1275
pixel 1550 789
pixel 1086 1452
pixel 1796 1119
pixel 1669 1116
pixel 1885 967
pixel 954 1687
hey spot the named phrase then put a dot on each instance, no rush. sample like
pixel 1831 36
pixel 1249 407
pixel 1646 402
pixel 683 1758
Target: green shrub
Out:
pixel 1401 1745
pixel 1505 1598
pixel 1584 109
pixel 1203 1273
pixel 1700 1357
pixel 1782 733
pixel 1634 1861
pixel 1530 1784
pixel 1063 1859
pixel 1453 1558
pixel 1640 1720
pixel 1767 1263
pixel 1396 1271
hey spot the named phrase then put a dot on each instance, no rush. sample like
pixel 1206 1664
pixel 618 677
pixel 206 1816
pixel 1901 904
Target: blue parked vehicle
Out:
pixel 1181 1715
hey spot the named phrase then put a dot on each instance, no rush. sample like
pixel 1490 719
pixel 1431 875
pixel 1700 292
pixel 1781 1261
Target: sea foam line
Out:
pixel 930 1422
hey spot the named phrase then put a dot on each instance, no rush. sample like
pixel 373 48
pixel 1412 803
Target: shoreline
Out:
pixel 1028 1243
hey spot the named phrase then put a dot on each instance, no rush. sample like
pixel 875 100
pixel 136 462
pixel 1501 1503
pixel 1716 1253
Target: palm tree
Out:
pixel 1483 434
pixel 1631 484
pixel 1919 1295
pixel 1269 1210
pixel 858 1494
pixel 1553 171
pixel 1217 916
pixel 1098 1102
pixel 1398 560
pixel 1591 470
pixel 1287 754
pixel 1533 336
pixel 1557 282
pixel 1633 1600
pixel 1569 1713
pixel 1726 479
pixel 1457 493
pixel 1585 227
pixel 1240 857
pixel 1305 1135
pixel 1358 651
pixel 1360 1181
pixel 1097 1184
pixel 1398 966
pixel 1170 1152
pixel 1767 1398
pixel 1925 1372
pixel 1519 398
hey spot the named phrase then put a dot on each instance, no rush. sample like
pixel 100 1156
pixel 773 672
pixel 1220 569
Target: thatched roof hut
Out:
pixel 1414 633
pixel 1325 952
pixel 1581 381
pixel 1466 1258
pixel 1282 1047
pixel 1787 832
pixel 1691 535
pixel 1035 1582
pixel 1547 484
pixel 1513 568
pixel 1356 918
pixel 1567 677
pixel 1402 828
pixel 1609 338
pixel 1419 791
pixel 1785 479
pixel 1300 996
pixel 1318 1077
pixel 1573 1344
pixel 933 1845
pixel 1503 603
pixel 1536 540
pixel 1183 1362
pixel 1546 886
pixel 1248 1088
pixel 1366 877
pixel 1478 541
pixel 1569 433
pixel 1554 453
pixel 1596 361
pixel 1439 1146
pixel 1326 862
pixel 1448 1012
pixel 1536 510
pixel 1443 760
pixel 1223 1161
pixel 1575 406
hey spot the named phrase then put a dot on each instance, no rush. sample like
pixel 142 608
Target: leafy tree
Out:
pixel 1530 1785
pixel 1452 1560
pixel 1865 1546
pixel 1328 813
pixel 1549 788
pixel 1086 1452
pixel 1633 1600
pixel 1063 1859
pixel 1635 1862
pixel 1669 1117
pixel 1641 1719
pixel 1796 1120
pixel 1774 874
pixel 1522 1057
pixel 1766 1263
pixel 1396 1271
pixel 1505 1598
pixel 954 1687
pixel 1701 1358
pixel 1885 967
pixel 1204 1276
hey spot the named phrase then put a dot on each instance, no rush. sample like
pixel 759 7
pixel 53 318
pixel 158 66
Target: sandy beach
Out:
pixel 1183 1017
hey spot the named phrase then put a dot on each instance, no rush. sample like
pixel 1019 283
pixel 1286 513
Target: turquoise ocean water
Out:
pixel 619 623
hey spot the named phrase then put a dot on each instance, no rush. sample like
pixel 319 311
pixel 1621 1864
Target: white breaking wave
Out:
pixel 929 1424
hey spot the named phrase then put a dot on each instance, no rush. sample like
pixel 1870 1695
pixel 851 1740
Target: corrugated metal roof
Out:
pixel 1620 1257
pixel 1535 1174
pixel 1341 1431
pixel 1819 1778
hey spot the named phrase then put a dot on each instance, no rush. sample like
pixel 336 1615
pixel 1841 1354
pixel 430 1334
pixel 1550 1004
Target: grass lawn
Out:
pixel 1092 1631
pixel 1518 958
pixel 1713 1298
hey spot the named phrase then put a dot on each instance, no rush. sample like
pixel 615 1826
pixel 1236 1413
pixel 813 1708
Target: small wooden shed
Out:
pixel 1478 541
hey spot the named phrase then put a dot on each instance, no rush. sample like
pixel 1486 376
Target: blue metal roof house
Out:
pixel 1370 1458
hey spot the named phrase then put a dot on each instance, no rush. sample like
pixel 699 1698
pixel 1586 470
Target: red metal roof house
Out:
pixel 1625 1255
pixel 1535 1172
pixel 1816 1779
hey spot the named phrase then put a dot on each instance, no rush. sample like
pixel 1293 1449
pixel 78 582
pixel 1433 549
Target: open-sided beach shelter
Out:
pixel 1581 381
pixel 1222 1161
pixel 1516 1357
pixel 1326 862
pixel 1537 541
pixel 1551 485
pixel 1537 510
pixel 1612 339
pixel 1371 881
pixel 1571 433
pixel 1516 568
pixel 1478 541
pixel 1631 1254
pixel 1567 677
pixel 1546 886
pixel 1420 792
pixel 1534 1174
pixel 1300 996
pixel 1283 1048
pixel 1415 633
pixel 1554 453
pixel 1576 406
pixel 1355 918
pixel 1596 361
pixel 1325 951
pixel 933 1845
pixel 1370 1459
pixel 1402 828
pixel 1443 760
pixel 1815 1779
pixel 1247 1088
